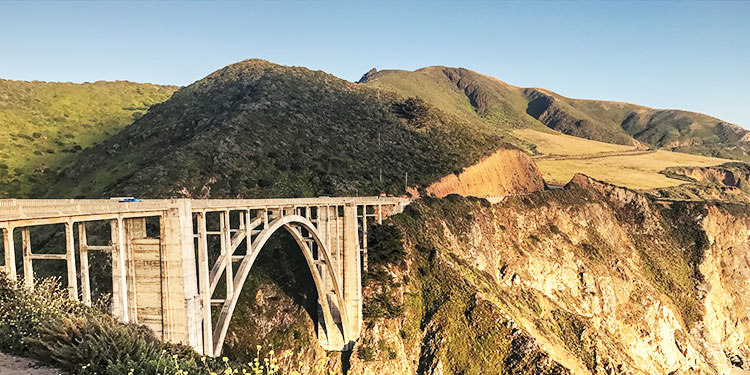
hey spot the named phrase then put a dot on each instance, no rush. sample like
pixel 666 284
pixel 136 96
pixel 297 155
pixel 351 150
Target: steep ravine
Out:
pixel 589 279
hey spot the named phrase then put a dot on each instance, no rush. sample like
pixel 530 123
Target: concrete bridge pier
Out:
pixel 158 275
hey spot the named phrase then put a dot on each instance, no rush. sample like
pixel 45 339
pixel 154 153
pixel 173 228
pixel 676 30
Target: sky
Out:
pixel 678 55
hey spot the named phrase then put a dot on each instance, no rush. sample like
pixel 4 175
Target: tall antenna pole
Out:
pixel 406 181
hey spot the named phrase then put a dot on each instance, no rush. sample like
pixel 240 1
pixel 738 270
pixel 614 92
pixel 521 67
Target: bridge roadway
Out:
pixel 184 281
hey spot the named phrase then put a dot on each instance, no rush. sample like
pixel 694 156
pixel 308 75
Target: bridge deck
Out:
pixel 60 210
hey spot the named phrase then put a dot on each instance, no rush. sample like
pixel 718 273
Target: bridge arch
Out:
pixel 293 224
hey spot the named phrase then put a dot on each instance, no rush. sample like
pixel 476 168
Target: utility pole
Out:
pixel 406 181
pixel 380 150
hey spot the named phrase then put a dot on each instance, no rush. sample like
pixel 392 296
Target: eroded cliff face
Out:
pixel 727 182
pixel 729 174
pixel 589 279
pixel 727 275
pixel 504 172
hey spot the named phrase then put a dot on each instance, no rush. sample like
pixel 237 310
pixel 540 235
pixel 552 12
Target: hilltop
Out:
pixel 257 129
pixel 49 123
pixel 476 97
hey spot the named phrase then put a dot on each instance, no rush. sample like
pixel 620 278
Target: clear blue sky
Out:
pixel 687 55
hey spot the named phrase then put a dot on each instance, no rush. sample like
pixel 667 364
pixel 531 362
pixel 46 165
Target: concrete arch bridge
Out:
pixel 168 280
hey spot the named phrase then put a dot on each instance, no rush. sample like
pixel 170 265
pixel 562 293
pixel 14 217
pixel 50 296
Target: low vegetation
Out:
pixel 385 250
pixel 45 325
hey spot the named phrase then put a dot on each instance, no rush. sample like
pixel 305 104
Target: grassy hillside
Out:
pixel 256 129
pixel 562 156
pixel 551 144
pixel 460 92
pixel 675 130
pixel 480 98
pixel 47 124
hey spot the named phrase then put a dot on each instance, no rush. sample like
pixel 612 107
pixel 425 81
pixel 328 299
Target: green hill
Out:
pixel 49 123
pixel 256 129
pixel 479 98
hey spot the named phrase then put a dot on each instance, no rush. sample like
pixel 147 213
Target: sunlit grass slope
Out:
pixel 461 92
pixel 45 124
pixel 553 143
pixel 562 156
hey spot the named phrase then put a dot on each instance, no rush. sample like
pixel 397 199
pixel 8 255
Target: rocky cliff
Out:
pixel 589 279
pixel 727 182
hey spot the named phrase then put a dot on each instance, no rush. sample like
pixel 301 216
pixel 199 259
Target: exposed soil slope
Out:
pixel 503 173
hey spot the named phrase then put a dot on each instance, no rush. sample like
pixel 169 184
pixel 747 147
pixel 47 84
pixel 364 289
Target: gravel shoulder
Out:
pixel 12 365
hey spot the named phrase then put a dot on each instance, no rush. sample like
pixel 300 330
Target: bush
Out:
pixel 385 245
pixel 366 353
pixel 414 110
pixel 23 312
pixel 44 324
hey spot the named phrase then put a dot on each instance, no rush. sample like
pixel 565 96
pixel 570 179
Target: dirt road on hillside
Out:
pixel 593 156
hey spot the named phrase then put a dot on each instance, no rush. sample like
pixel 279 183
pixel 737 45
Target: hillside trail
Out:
pixel 12 365
pixel 592 156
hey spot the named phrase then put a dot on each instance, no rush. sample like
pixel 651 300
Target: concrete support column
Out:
pixel 205 286
pixel 226 250
pixel 70 261
pixel 352 272
pixel 119 271
pixel 83 249
pixel 10 253
pixel 364 237
pixel 28 268
pixel 135 228
pixel 180 299
pixel 322 225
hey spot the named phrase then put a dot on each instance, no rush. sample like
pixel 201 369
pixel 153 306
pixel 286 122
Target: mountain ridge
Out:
pixel 286 131
pixel 609 121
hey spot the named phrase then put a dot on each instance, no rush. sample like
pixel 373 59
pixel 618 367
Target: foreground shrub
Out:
pixel 45 325
pixel 23 312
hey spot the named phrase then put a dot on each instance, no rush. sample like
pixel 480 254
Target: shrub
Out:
pixel 414 110
pixel 385 245
pixel 366 353
pixel 44 324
